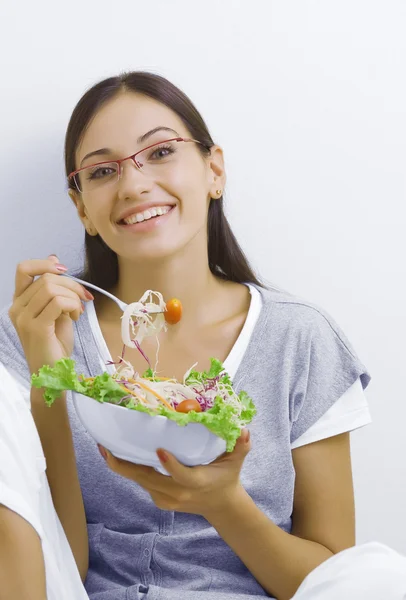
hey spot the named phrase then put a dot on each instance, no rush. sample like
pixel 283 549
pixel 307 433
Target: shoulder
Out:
pixel 299 317
pixel 312 354
pixel 8 333
pixel 11 351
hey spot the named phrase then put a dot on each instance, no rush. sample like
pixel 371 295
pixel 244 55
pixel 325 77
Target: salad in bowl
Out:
pixel 133 414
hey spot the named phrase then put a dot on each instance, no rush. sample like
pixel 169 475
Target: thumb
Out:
pixel 180 473
pixel 243 445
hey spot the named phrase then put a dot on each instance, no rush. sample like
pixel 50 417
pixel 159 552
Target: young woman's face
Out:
pixel 177 179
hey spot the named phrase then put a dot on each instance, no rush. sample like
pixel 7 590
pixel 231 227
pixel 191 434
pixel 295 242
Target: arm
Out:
pixel 22 570
pixel 56 439
pixel 323 520
pixel 43 310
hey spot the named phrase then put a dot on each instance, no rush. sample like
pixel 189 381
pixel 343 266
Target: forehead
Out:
pixel 120 122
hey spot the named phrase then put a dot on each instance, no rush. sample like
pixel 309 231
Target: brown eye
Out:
pixel 160 153
pixel 101 172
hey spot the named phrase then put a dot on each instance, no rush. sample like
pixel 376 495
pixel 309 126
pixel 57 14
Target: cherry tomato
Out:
pixel 187 405
pixel 173 313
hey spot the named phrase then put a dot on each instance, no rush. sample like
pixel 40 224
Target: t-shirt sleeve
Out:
pixel 350 412
pixel 326 367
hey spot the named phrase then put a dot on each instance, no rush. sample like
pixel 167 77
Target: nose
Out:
pixel 133 181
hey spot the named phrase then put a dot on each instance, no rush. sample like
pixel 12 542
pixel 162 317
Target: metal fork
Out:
pixel 122 305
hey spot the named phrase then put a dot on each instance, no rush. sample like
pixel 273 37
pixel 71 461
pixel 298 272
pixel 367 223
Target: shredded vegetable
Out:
pixel 139 319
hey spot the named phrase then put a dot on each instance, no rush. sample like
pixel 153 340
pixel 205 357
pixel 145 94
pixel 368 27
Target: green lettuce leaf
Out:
pixel 216 368
pixel 249 411
pixel 220 419
pixel 63 376
pixel 149 374
pixel 57 379
pixel 105 388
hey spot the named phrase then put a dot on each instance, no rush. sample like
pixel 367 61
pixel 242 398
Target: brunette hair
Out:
pixel 226 258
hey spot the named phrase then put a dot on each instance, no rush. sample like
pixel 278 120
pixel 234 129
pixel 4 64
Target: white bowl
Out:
pixel 135 436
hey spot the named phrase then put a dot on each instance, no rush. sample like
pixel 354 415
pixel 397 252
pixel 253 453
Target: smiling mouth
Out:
pixel 146 215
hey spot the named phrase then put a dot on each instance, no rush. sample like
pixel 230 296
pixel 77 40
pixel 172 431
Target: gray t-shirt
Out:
pixel 297 365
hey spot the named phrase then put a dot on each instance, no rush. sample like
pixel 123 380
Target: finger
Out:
pixel 185 476
pixel 55 308
pixel 245 436
pixel 145 476
pixel 43 297
pixel 50 282
pixel 242 446
pixel 28 269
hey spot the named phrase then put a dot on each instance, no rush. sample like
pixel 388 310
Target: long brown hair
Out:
pixel 226 258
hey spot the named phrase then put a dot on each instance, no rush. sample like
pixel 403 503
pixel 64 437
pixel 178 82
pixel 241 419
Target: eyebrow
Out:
pixel 140 140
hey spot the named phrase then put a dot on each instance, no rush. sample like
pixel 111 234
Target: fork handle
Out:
pixel 120 304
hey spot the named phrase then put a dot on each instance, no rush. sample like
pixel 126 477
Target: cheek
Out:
pixel 98 211
pixel 189 185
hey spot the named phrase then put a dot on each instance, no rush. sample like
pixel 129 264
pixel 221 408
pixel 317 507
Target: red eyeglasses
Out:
pixel 154 160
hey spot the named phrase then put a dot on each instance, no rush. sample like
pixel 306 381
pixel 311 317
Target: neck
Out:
pixel 184 276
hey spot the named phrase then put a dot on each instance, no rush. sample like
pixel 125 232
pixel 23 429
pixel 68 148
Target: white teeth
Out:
pixel 147 214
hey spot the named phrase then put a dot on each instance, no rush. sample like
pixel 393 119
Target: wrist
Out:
pixel 233 501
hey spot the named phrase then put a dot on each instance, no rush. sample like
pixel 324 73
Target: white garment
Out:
pixel 367 572
pixel 24 489
pixel 348 413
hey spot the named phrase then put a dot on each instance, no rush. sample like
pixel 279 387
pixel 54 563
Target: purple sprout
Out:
pixel 137 345
pixel 112 362
pixel 121 359
pixel 120 400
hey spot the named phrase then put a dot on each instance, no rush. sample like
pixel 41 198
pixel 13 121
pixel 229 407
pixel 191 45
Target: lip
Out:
pixel 141 208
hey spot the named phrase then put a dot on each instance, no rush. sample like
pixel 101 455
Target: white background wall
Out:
pixel 308 99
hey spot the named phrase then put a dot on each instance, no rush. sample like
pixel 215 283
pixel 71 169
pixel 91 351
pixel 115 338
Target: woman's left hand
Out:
pixel 201 490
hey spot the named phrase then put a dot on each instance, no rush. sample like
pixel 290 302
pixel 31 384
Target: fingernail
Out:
pixel 61 268
pixel 102 451
pixel 162 455
pixel 88 295
pixel 245 436
pixel 83 307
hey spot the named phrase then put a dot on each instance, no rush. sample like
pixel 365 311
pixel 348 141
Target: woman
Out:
pixel 260 520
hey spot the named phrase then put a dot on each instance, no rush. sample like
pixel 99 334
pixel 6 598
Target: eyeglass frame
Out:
pixel 132 156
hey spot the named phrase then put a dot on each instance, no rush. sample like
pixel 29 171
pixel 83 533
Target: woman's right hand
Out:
pixel 43 310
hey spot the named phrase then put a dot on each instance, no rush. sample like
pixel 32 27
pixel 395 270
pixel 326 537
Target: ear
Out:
pixel 80 207
pixel 217 175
